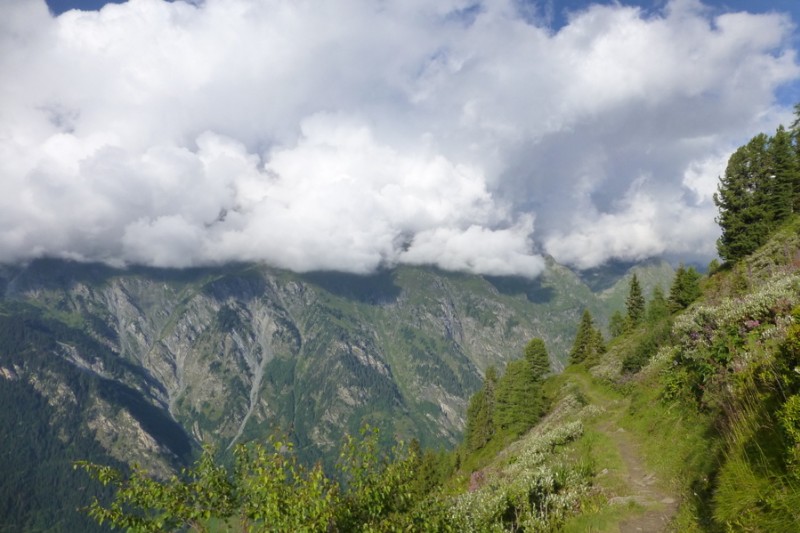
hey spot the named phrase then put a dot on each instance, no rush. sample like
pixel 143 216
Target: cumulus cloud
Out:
pixel 354 135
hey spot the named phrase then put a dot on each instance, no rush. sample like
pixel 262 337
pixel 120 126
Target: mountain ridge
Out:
pixel 232 354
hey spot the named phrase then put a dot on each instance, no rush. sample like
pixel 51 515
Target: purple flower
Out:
pixel 751 324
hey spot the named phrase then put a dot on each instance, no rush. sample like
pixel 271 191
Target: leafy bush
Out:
pixel 533 493
pixel 647 346
pixel 789 417
pixel 268 490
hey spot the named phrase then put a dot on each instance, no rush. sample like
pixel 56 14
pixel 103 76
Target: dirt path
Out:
pixel 659 506
pixel 642 486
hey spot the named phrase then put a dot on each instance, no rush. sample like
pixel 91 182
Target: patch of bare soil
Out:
pixel 659 506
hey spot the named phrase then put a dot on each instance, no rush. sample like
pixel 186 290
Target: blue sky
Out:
pixel 408 132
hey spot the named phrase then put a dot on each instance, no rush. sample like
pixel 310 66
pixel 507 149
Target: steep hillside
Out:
pixel 701 434
pixel 152 363
pixel 705 436
pixel 232 352
pixel 58 408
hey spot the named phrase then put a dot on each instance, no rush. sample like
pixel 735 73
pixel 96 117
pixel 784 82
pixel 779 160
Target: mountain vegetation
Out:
pixel 147 366
pixel 758 192
pixel 131 376
pixel 588 344
pixel 713 369
pixel 718 380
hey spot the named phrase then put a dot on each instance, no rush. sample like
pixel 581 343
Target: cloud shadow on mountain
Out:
pixel 532 289
pixel 374 289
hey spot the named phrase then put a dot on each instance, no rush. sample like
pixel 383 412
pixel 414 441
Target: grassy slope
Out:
pixel 694 441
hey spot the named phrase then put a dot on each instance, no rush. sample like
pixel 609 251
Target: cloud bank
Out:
pixel 355 134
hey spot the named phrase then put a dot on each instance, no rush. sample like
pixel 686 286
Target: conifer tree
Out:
pixel 634 303
pixel 480 413
pixel 743 196
pixel 598 348
pixel 518 400
pixel 685 288
pixel 537 358
pixel 616 325
pixel 657 307
pixel 588 341
pixel 784 180
pixel 794 135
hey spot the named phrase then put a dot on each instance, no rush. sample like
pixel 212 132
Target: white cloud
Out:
pixel 499 252
pixel 356 134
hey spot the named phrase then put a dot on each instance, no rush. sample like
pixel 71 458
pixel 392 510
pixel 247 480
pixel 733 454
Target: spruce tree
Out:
pixel 743 197
pixel 784 180
pixel 616 325
pixel 588 341
pixel 794 138
pixel 518 404
pixel 598 348
pixel 537 358
pixel 685 288
pixel 657 307
pixel 635 303
pixel 480 413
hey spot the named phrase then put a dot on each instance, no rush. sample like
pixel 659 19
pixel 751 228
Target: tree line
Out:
pixel 510 404
pixel 759 191
pixel 589 344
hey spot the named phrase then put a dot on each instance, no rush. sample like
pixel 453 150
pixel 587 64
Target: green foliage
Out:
pixel 433 468
pixel 534 492
pixel 510 405
pixel 268 490
pixel 738 361
pixel 685 288
pixel 789 417
pixel 536 355
pixel 759 191
pixel 634 303
pixel 378 491
pixel 144 504
pixel 784 182
pixel 519 401
pixel 657 307
pixel 480 413
pixel 616 325
pixel 588 344
pixel 270 487
pixel 742 200
pixel 647 345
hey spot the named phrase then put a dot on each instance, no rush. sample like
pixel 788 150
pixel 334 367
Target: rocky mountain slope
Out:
pixel 147 364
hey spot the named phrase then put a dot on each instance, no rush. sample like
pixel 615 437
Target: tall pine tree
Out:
pixel 480 413
pixel 783 182
pixel 685 288
pixel 634 303
pixel 537 358
pixel 518 398
pixel 588 344
pixel 616 324
pixel 743 196
pixel 657 307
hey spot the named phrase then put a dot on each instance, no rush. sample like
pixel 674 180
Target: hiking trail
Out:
pixel 655 505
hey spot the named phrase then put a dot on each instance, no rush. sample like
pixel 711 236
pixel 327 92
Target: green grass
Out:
pixel 598 517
